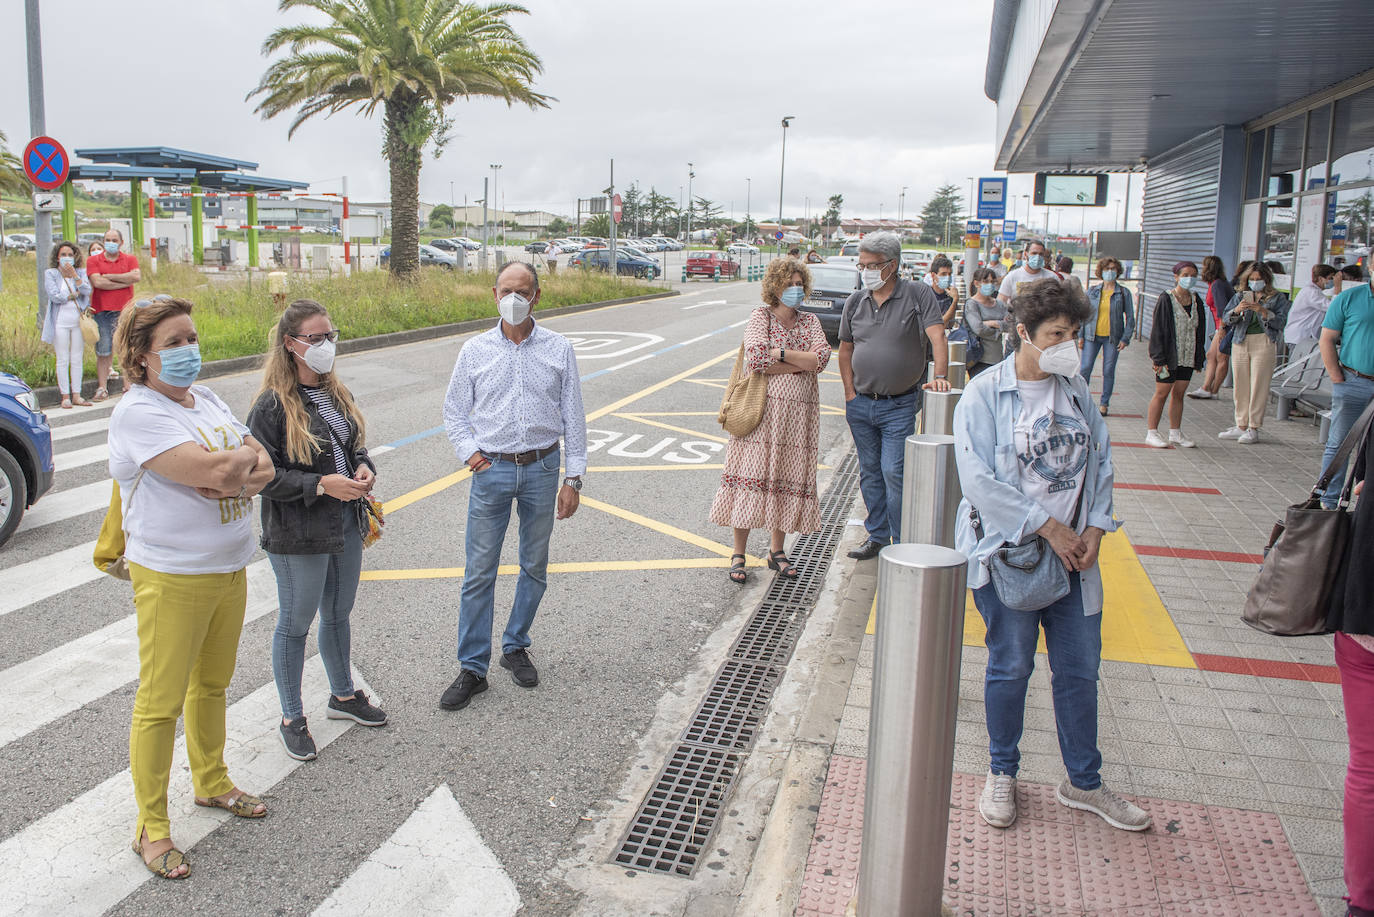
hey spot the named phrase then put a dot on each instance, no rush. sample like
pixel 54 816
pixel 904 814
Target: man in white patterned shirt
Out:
pixel 515 391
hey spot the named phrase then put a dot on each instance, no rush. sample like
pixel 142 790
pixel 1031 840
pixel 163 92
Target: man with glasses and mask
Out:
pixel 514 393
pixel 1035 268
pixel 884 332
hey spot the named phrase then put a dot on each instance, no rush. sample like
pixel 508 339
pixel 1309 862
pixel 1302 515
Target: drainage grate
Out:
pixel 676 818
pixel 734 706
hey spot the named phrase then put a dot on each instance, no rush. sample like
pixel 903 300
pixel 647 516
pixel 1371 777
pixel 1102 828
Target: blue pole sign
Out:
pixel 992 198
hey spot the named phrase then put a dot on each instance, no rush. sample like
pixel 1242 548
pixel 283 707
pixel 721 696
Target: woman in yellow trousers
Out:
pixel 187 472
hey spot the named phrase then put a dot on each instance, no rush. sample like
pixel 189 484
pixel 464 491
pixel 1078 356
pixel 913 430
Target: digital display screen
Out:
pixel 1070 190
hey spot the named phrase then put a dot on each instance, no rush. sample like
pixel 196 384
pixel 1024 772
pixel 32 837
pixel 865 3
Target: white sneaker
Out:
pixel 1233 433
pixel 1152 438
pixel 1176 438
pixel 1200 393
pixel 1106 804
pixel 997 805
pixel 1248 437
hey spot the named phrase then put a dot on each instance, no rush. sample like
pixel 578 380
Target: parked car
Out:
pixel 86 238
pixel 20 242
pixel 849 254
pixel 916 261
pixel 626 262
pixel 538 247
pixel 706 264
pixel 428 255
pixel 26 466
pixel 446 245
pixel 959 266
pixel 742 248
pixel 831 285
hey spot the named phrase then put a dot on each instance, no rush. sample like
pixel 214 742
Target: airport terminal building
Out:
pixel 1252 120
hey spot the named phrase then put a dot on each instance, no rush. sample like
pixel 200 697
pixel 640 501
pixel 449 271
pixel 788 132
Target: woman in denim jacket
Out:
pixel 1256 316
pixel 1109 329
pixel 1035 459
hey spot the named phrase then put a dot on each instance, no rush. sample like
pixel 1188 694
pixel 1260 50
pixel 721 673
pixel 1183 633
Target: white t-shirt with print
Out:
pixel 1051 447
pixel 169 527
pixel 1016 279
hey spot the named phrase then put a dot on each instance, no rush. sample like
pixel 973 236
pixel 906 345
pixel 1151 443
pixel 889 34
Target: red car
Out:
pixel 705 264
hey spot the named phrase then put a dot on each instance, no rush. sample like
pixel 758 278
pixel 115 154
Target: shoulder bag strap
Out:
pixel 348 458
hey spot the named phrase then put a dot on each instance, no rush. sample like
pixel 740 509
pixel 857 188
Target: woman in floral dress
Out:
pixel 769 479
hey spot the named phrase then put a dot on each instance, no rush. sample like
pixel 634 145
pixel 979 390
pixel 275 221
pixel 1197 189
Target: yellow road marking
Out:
pixel 716 466
pixel 585 566
pixel 1136 627
pixel 657 386
pixel 428 490
pixel 668 426
pixel 711 384
pixel 676 413
pixel 662 528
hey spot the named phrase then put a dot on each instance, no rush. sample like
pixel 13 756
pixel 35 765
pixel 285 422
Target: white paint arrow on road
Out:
pixel 435 864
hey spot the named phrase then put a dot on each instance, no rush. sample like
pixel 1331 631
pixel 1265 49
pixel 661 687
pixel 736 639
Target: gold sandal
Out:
pixel 242 805
pixel 166 863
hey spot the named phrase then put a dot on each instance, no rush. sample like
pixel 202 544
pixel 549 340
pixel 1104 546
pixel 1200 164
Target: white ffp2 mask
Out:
pixel 514 308
pixel 1059 360
pixel 320 357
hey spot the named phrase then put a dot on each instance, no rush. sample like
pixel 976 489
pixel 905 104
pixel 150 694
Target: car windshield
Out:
pixel 830 278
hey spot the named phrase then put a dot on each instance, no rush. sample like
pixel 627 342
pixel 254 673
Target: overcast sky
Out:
pixel 886 94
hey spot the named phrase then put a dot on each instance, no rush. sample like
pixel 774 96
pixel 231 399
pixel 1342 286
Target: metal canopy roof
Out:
pixel 146 156
pixel 1115 82
pixel 85 171
pixel 234 181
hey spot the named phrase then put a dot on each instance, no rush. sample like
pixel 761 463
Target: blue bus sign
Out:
pixel 992 198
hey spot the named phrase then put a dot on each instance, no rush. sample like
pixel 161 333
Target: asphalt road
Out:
pixel 637 590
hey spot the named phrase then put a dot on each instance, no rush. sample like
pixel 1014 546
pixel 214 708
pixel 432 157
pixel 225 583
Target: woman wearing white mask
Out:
pixel 69 296
pixel 1256 316
pixel 1110 331
pixel 1178 347
pixel 1035 465
pixel 312 429
pixel 986 318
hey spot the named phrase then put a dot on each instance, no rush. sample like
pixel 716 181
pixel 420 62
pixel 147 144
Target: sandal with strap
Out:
pixel 737 572
pixel 777 560
pixel 166 863
pixel 100 395
pixel 243 805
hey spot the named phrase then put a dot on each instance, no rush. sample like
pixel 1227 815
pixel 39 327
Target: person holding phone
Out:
pixel 1256 317
pixel 1110 331
pixel 1178 346
pixel 69 296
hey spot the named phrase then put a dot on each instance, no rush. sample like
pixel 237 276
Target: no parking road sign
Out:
pixel 46 164
pixel 778 235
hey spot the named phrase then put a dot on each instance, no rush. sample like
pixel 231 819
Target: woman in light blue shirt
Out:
pixel 1035 462
pixel 68 296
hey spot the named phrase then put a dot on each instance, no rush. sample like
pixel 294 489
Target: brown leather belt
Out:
pixel 522 458
pixel 1356 372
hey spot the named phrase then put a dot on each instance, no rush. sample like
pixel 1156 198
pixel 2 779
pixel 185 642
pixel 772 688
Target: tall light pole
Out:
pixel 901 205
pixel 42 220
pixel 748 197
pixel 690 175
pixel 495 168
pixel 782 172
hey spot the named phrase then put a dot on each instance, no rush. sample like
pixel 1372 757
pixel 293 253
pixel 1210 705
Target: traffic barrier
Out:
pixel 931 500
pixel 937 412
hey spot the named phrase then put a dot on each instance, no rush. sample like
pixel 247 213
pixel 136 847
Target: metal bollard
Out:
pixel 930 490
pixel 919 640
pixel 937 412
pixel 957 351
pixel 958 374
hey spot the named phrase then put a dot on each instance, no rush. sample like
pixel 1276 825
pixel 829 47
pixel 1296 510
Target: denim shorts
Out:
pixel 106 322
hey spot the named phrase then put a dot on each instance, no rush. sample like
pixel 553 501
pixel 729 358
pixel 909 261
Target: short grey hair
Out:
pixel 887 244
pixel 526 265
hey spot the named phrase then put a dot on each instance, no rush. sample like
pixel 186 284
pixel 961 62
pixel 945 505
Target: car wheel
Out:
pixel 14 494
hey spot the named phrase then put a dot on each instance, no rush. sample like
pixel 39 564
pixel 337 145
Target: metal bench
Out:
pixel 1303 380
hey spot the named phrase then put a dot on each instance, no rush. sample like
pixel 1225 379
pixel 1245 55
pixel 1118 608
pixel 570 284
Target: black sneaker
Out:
pixel 867 551
pixel 522 670
pixel 295 736
pixel 356 709
pixel 458 694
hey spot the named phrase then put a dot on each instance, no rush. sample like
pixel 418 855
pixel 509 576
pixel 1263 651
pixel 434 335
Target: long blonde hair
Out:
pixel 279 377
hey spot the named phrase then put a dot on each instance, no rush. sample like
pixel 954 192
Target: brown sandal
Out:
pixel 166 863
pixel 242 805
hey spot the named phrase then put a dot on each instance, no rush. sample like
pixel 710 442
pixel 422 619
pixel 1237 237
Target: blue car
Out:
pixel 26 468
pixel 599 259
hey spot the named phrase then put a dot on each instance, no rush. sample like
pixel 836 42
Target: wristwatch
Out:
pixel 941 376
pixel 574 483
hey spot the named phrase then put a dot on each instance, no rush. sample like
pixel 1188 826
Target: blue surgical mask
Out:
pixel 792 297
pixel 988 289
pixel 1109 276
pixel 180 365
pixel 111 248
pixel 1035 262
pixel 1016 263
pixel 1186 283
pixel 1257 285
pixel 66 261
pixel 944 280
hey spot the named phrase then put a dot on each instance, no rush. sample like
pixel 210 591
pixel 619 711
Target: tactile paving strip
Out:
pixel 1196 860
pixel 675 820
pixel 734 706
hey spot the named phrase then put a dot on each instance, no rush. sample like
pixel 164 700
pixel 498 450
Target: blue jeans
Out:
pixel 1074 641
pixel 1091 346
pixel 880 429
pixel 1348 401
pixel 307 583
pixel 534 489
pixel 105 322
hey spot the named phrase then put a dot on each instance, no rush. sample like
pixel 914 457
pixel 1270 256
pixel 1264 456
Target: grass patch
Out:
pixel 234 318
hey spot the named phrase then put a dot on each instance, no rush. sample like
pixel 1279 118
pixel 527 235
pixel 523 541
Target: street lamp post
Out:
pixel 971 209
pixel 782 172
pixel 690 175
pixel 901 205
pixel 748 199
pixel 495 168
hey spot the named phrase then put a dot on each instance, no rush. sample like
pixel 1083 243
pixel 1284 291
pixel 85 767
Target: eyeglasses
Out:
pixel 873 264
pixel 161 297
pixel 313 339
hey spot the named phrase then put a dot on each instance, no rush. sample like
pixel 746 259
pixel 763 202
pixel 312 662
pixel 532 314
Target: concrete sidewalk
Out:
pixel 1234 741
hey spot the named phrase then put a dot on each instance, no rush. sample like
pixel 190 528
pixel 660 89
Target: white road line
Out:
pixel 436 863
pixel 381 450
pixel 68 677
pixel 647 356
pixel 81 428
pixel 76 860
pixel 67 504
pixel 66 461
pixel 35 580
pixel 709 302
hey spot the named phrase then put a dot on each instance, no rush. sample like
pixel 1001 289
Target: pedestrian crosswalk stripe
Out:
pixel 68 504
pixel 80 428
pixel 36 580
pixel 79 458
pixel 76 860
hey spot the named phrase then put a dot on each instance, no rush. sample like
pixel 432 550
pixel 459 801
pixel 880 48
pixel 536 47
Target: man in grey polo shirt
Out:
pixel 883 352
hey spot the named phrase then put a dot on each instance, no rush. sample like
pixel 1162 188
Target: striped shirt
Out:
pixel 337 422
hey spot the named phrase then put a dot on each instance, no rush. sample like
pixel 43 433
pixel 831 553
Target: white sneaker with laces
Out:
pixel 1233 433
pixel 1152 438
pixel 1200 393
pixel 1176 438
pixel 1105 804
pixel 1248 437
pixel 997 805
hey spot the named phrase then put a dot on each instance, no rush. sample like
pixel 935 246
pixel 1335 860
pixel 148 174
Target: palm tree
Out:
pixel 411 57
pixel 12 180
